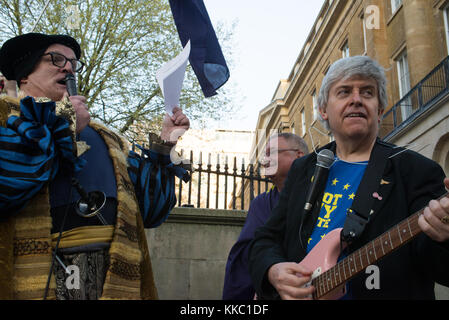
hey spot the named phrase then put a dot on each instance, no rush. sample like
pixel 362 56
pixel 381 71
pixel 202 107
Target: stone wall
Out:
pixel 189 252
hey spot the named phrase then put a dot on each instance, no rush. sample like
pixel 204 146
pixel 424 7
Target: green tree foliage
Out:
pixel 123 42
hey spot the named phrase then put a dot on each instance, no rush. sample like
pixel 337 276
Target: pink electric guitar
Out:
pixel 329 277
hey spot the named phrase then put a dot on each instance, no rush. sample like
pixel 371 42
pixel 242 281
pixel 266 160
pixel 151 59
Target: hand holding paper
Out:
pixel 170 78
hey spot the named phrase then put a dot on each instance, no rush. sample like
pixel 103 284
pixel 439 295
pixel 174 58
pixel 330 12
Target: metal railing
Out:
pixel 418 100
pixel 220 186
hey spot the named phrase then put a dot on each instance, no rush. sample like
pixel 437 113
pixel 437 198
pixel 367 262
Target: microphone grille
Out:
pixel 69 76
pixel 325 158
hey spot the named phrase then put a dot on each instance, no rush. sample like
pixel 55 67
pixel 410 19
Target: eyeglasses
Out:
pixel 279 151
pixel 60 60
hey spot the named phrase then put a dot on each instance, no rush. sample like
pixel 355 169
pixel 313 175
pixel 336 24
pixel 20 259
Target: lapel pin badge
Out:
pixel 377 196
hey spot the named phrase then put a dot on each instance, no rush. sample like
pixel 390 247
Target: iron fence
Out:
pixel 221 185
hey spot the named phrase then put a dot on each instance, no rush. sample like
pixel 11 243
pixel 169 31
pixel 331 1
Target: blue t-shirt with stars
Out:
pixel 341 187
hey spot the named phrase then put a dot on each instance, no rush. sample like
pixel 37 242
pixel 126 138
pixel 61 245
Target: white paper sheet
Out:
pixel 171 76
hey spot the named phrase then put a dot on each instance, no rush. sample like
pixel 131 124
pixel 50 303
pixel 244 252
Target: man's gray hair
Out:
pixel 293 140
pixel 347 68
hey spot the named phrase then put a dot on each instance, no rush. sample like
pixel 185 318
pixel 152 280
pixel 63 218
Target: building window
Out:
pixel 404 84
pixel 446 25
pixel 395 4
pixel 315 105
pixel 303 122
pixel 292 128
pixel 345 50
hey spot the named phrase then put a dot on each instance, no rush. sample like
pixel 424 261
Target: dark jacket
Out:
pixel 237 283
pixel 410 181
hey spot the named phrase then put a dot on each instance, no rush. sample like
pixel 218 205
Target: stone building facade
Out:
pixel 409 38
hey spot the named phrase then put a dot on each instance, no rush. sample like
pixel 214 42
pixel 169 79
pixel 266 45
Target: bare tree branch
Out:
pixel 123 44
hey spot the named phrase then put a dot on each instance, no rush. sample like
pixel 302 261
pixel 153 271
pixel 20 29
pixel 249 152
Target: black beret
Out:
pixel 19 55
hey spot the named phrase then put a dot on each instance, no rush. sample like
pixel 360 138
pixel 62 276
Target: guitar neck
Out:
pixel 370 253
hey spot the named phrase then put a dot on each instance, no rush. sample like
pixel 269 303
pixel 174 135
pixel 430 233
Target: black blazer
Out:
pixel 410 181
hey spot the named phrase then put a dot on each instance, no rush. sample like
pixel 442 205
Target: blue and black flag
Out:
pixel 207 60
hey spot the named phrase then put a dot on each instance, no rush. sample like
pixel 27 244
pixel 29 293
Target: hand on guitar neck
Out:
pixel 290 280
pixel 434 221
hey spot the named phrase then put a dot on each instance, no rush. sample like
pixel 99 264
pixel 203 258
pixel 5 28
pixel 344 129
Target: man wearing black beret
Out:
pixel 20 55
pixel 49 246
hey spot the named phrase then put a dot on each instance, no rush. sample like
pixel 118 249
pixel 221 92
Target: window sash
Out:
pixel 303 122
pixel 446 25
pixel 395 4
pixel 404 84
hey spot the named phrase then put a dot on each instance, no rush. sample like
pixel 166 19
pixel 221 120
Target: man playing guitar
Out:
pixel 351 102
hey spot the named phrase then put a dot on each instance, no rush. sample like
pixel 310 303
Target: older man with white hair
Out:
pixel 351 102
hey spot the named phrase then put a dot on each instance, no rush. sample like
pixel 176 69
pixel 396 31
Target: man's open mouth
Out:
pixel 355 115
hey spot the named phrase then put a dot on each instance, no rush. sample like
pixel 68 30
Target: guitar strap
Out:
pixel 358 215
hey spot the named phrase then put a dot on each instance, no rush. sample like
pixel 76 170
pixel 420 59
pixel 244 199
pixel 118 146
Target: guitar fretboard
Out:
pixel 357 261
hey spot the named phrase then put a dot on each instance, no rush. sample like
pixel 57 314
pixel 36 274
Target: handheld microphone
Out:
pixel 324 160
pixel 70 83
pixel 92 202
